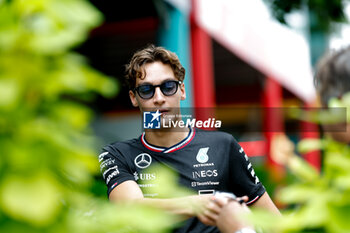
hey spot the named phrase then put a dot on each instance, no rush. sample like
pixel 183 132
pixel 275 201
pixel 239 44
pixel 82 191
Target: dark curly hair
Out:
pixel 332 76
pixel 150 54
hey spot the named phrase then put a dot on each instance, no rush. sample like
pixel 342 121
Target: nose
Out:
pixel 158 98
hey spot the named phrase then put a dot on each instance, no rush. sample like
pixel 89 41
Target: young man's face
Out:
pixel 156 74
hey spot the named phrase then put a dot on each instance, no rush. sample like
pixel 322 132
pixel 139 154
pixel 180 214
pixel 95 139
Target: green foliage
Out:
pixel 317 202
pixel 48 152
pixel 343 103
pixel 322 12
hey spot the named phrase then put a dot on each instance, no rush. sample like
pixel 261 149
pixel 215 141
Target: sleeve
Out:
pixel 245 181
pixel 114 168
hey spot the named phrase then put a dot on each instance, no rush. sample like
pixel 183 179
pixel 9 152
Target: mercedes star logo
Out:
pixel 143 160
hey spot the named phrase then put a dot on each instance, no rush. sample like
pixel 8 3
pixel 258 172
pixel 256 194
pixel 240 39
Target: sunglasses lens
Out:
pixel 169 88
pixel 146 91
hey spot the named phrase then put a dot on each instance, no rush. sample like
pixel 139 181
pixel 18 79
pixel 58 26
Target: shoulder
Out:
pixel 122 151
pixel 220 138
pixel 121 146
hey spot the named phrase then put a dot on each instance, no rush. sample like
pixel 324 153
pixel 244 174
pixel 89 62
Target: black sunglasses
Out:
pixel 147 91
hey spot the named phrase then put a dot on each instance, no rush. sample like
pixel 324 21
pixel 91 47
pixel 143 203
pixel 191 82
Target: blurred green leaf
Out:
pixel 298 193
pixel 303 170
pixel 339 221
pixel 309 144
pixel 52 27
pixel 48 151
pixel 346 99
pixel 166 184
pixel 9 93
pixel 341 103
pixel 317 202
pixel 74 115
pixel 121 218
pixel 20 199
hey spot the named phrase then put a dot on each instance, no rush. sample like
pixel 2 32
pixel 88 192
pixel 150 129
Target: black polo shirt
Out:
pixel 206 161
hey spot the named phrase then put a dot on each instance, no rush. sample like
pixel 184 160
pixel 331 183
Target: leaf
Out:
pixel 308 144
pixel 346 99
pixel 339 218
pixel 344 103
pixel 9 93
pixel 315 213
pixel 53 27
pixel 298 193
pixel 32 199
pixel 101 216
pixel 338 162
pixel 264 219
pixel 74 115
pixel 302 169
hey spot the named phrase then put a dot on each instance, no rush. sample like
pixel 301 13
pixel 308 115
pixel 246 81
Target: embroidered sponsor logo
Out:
pixel 203 165
pixel 106 163
pixel 202 155
pixel 145 176
pixel 115 168
pixel 102 155
pixel 110 176
pixel 136 176
pixel 194 184
pixel 143 160
pixel 204 173
pixel 148 185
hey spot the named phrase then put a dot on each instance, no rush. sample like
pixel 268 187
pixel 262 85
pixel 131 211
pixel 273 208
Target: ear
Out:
pixel 183 92
pixel 133 98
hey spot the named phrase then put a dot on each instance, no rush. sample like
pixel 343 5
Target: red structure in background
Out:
pixel 310 130
pixel 202 65
pixel 126 31
pixel 272 95
pixel 273 121
pixel 254 148
pixel 202 70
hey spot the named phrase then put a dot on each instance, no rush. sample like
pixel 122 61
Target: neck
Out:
pixel 166 138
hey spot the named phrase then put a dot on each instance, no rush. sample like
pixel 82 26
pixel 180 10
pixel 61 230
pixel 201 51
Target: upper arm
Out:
pixel 265 202
pixel 127 190
pixel 115 169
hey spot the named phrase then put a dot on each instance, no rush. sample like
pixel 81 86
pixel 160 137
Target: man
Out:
pixel 205 161
pixel 332 80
